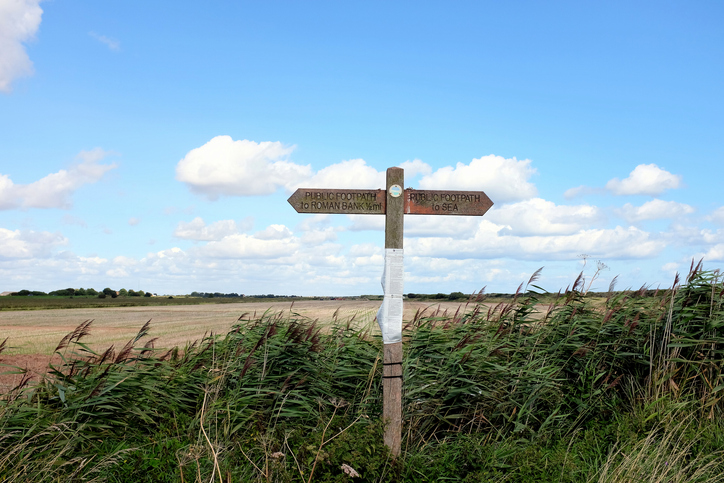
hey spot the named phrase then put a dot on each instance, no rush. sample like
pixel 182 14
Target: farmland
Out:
pixel 620 390
pixel 38 331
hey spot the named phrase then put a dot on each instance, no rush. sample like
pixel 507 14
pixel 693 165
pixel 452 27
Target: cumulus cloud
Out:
pixel 415 167
pixel 366 222
pixel 502 179
pixel 112 44
pixel 274 232
pixel 8 193
pixel 540 217
pixel 17 244
pixel 645 179
pixel 581 191
pixel 198 230
pixel 354 173
pixel 670 268
pixel 717 216
pixel 223 166
pixel 56 189
pixel 714 254
pixel 616 243
pixel 654 210
pixel 319 236
pixel 117 273
pixel 19 21
pixel 249 247
pixel 437 226
pixel 247 168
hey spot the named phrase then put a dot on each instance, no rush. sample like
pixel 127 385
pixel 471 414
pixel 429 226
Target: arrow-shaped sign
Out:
pixel 428 202
pixel 374 202
pixel 370 202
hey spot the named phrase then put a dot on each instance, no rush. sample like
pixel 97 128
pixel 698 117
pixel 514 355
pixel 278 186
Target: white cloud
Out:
pixel 318 237
pixel 19 21
pixel 8 195
pixel 274 232
pixel 197 229
pixel 616 243
pixel 121 267
pixel 314 222
pixel 654 210
pixel 670 268
pixel 365 249
pixel 502 179
pixel 117 273
pixel 711 237
pixel 17 244
pixel 366 222
pixel 540 217
pixel 246 168
pixel 645 179
pixel 415 167
pixel 55 190
pixel 717 216
pixel 581 191
pixel 354 173
pixel 249 247
pixel 134 221
pixel 437 226
pixel 112 44
pixel 714 254
pixel 239 168
pixel 124 261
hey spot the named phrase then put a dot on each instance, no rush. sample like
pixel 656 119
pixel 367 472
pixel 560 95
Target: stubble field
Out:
pixel 32 335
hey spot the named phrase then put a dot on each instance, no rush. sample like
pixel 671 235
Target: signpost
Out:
pixel 393 202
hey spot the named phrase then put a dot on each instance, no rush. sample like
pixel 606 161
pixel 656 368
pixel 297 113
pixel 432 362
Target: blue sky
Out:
pixel 153 145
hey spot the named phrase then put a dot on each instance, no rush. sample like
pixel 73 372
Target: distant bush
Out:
pixel 29 293
pixel 620 390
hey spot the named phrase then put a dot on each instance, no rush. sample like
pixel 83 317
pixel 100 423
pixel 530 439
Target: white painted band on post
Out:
pixel 389 316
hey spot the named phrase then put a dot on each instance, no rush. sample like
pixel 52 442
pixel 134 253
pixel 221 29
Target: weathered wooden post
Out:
pixel 394 202
pixel 393 275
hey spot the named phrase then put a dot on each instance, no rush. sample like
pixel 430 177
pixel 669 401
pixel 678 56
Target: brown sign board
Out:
pixel 352 201
pixel 442 202
pixel 374 202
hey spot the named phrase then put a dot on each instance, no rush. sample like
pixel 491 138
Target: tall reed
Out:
pixel 279 399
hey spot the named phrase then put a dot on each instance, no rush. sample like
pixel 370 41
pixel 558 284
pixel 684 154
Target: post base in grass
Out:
pixel 392 396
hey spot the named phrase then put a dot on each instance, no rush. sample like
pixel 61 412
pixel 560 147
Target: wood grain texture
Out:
pixel 392 397
pixel 392 373
pixel 395 209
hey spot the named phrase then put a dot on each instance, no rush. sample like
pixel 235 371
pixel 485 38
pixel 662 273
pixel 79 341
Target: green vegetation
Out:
pixel 101 300
pixel 621 391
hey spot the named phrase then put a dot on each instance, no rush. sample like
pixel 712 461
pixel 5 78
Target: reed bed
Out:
pixel 626 390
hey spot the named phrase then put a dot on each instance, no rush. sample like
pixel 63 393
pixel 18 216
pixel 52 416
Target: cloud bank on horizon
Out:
pixel 522 226
pixel 19 22
pixel 183 206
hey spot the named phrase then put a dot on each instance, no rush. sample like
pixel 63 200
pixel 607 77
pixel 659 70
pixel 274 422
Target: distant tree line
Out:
pixel 439 296
pixel 85 292
pixel 210 295
pixel 236 295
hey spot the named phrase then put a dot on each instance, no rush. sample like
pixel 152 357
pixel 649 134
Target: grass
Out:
pixel 11 302
pixel 38 331
pixel 625 390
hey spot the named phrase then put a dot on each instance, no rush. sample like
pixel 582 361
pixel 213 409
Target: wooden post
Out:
pixel 394 203
pixel 392 368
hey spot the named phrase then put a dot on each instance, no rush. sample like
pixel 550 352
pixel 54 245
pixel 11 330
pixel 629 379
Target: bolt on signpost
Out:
pixel 394 202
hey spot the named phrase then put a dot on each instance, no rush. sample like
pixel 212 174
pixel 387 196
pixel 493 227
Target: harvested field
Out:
pixel 33 335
